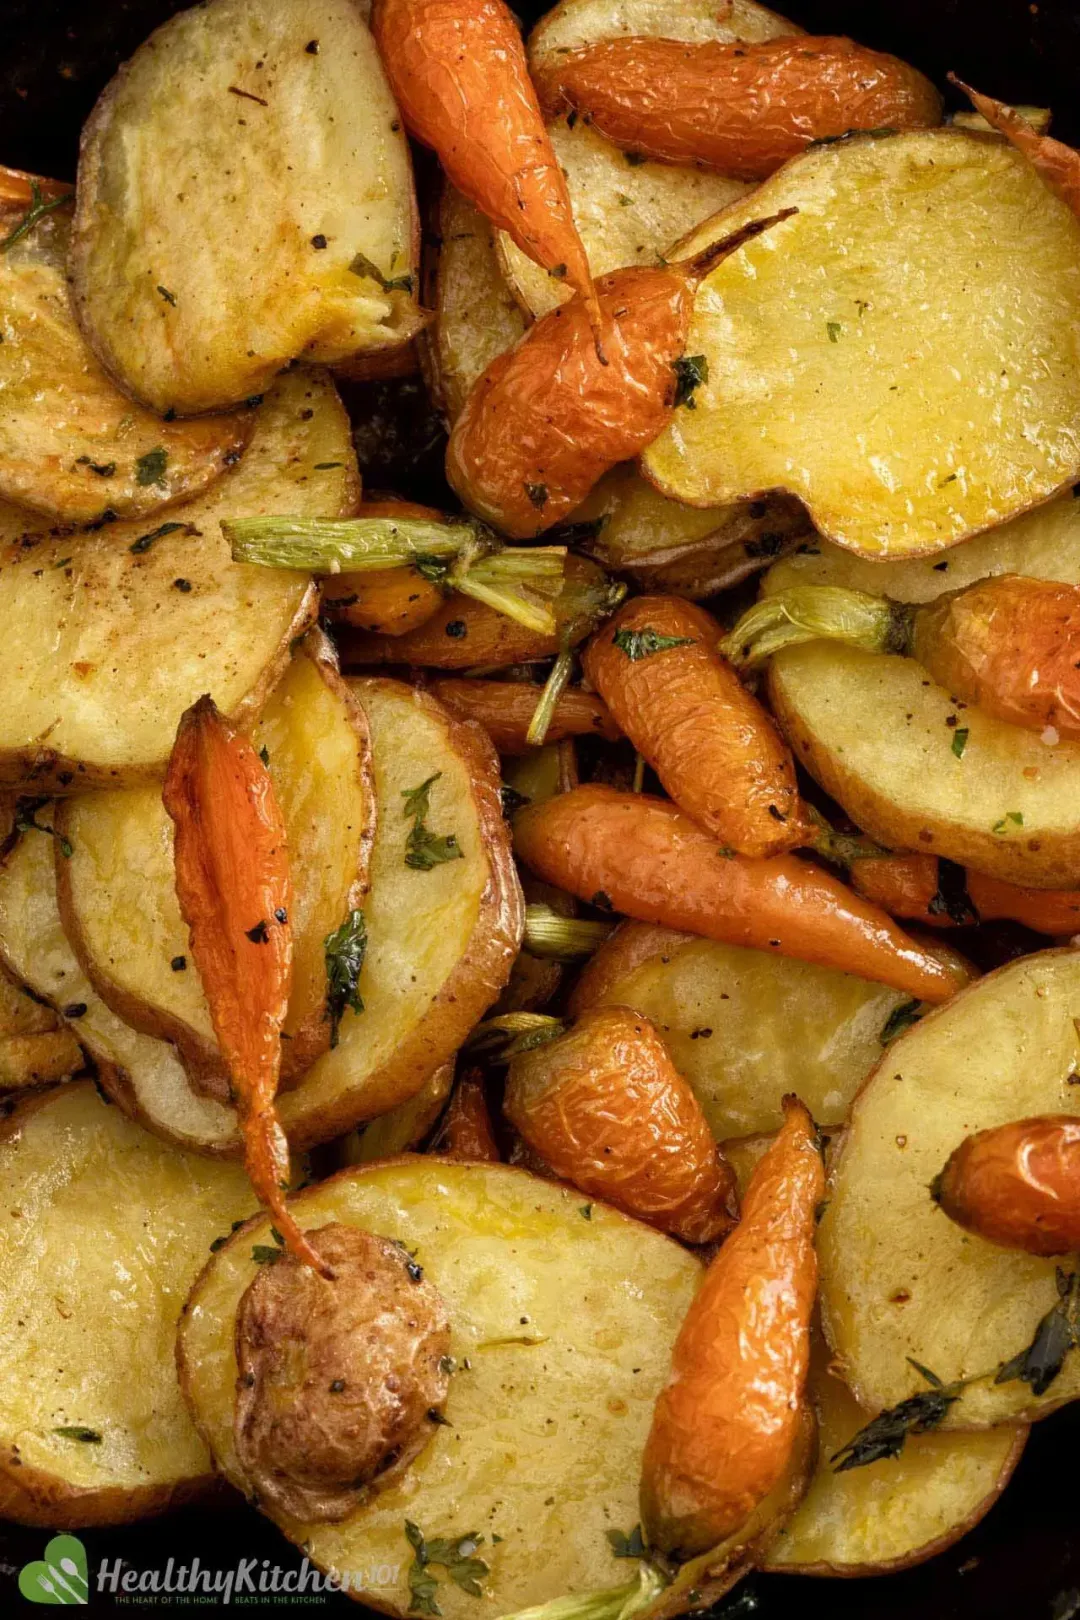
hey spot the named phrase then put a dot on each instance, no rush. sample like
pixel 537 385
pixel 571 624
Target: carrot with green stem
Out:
pixel 643 857
pixel 506 709
pixel 232 882
pixel 931 890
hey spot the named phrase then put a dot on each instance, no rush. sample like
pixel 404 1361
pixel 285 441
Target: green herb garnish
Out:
pixel 37 210
pixel 901 1018
pixel 627 1546
pixel 150 469
pixel 77 1431
pixel 639 644
pixel 834 329
pixel 456 1555
pixel 145 541
pixel 25 821
pixel 690 372
pixel 1014 816
pixel 362 266
pixel 1055 1336
pixel 885 1435
pixel 959 741
pixel 344 950
pixel 952 899
pixel 265 1254
pixel 423 848
pixel 169 297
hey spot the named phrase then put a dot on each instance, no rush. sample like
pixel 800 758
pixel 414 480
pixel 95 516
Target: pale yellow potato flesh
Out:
pixel 401 1128
pixel 898 1278
pixel 118 890
pixel 583 22
pixel 744 1027
pixel 103 1229
pixel 901 354
pixel 477 317
pixel 129 645
pixel 229 181
pixel 562 1333
pixel 626 212
pixel 72 446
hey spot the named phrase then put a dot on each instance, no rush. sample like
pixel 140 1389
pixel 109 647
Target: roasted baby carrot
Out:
pixel 460 76
pixel 389 601
pixel 1008 645
pixel 743 108
pixel 643 857
pixel 1018 1185
pixel 682 705
pixel 724 1427
pixel 466 1131
pixel 605 1107
pixel 928 890
pixel 505 708
pixel 546 420
pixel 232 882
pixel 1058 164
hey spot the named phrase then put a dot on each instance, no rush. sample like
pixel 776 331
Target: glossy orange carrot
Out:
pixel 714 748
pixel 928 890
pixel 505 708
pixel 743 108
pixel 643 857
pixel 1018 1185
pixel 18 187
pixel 1008 645
pixel 1058 164
pixel 605 1107
pixel 546 420
pixel 724 1427
pixel 384 601
pixel 466 1131
pixel 232 881
pixel 460 76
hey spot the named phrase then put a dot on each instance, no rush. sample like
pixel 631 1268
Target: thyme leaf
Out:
pixel 344 952
pixel 78 1431
pixel 952 899
pixel 639 644
pixel 901 1018
pixel 884 1436
pixel 456 1555
pixel 150 469
pixel 37 210
pixel 1055 1336
pixel 690 372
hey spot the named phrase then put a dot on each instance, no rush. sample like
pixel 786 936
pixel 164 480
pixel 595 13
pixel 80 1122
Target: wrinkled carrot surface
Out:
pixel 920 888
pixel 724 1427
pixel 460 76
pixel 645 858
pixel 505 708
pixel 742 109
pixel 466 1131
pixel 384 601
pixel 606 1108
pixel 1018 1185
pixel 232 882
pixel 1058 164
pixel 684 708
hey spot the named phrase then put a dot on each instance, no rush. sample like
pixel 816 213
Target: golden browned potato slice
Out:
pixel 401 1128
pixel 582 22
pixel 139 618
pixel 118 889
pixel 102 1231
pixel 35 1048
pixel 476 314
pixel 898 1278
pixel 244 197
pixel 850 359
pixel 71 444
pixel 744 1027
pixel 626 211
pixel 561 1334
pixel 879 734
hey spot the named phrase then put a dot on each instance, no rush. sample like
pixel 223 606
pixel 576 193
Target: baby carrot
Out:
pixel 685 710
pixel 466 1131
pixel 1018 1185
pixel 386 601
pixel 1058 164
pixel 643 857
pixel 928 890
pixel 724 1427
pixel 743 108
pixel 505 708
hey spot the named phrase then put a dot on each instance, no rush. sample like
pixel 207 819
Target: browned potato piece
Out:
pixel 399 1128
pixel 243 200
pixel 340 1380
pixel 580 22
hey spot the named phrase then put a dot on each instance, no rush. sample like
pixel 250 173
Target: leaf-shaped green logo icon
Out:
pixel 59 1577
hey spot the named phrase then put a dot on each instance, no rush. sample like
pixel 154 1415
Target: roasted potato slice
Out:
pixel 900 1280
pixel 118 888
pixel 71 444
pixel 244 198
pixel 142 618
pixel 881 736
pixel 862 406
pixel 742 1026
pixel 561 1333
pixel 401 1128
pixel 626 212
pixel 35 1046
pixel 102 1231
pixel 583 22
pixel 476 314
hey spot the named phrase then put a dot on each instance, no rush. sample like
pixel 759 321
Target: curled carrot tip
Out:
pixel 232 882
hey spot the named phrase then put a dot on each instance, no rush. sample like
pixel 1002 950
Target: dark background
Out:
pixel 1023 1561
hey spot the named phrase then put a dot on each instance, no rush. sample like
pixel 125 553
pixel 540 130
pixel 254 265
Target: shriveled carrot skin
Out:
pixel 1010 646
pixel 606 1108
pixel 909 885
pixel 232 882
pixel 710 742
pixel 466 1131
pixel 742 109
pixel 1018 1185
pixel 390 601
pixel 648 860
pixel 504 709
pixel 724 1427
pixel 1058 164
pixel 547 419
pixel 459 73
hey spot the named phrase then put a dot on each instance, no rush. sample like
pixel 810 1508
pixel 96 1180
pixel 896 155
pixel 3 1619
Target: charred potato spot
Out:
pixel 340 1383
